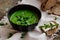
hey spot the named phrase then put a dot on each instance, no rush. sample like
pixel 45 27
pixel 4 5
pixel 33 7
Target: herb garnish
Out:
pixel 56 18
pixel 56 25
pixel 46 25
pixel 49 26
pixel 10 34
pixel 1 24
pixel 23 34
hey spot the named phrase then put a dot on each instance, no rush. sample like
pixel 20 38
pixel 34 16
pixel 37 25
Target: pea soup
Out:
pixel 24 17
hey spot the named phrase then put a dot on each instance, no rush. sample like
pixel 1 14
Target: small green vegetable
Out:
pixel 23 34
pixel 56 18
pixel 1 24
pixel 10 34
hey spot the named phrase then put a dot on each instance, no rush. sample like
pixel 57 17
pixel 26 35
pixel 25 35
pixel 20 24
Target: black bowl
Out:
pixel 22 7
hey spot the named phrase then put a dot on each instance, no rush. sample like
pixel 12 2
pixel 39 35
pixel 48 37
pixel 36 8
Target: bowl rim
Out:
pixel 23 5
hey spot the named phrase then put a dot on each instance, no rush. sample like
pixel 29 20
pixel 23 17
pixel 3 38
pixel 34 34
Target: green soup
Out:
pixel 24 17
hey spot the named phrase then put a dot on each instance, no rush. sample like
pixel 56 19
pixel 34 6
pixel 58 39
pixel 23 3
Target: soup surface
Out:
pixel 24 17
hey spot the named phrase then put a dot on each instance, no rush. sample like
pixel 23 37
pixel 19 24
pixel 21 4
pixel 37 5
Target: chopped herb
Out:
pixel 56 25
pixel 41 26
pixel 56 18
pixel 23 34
pixel 27 18
pixel 51 25
pixel 18 17
pixel 1 24
pixel 46 26
pixel 10 34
